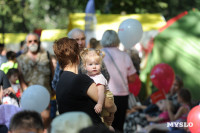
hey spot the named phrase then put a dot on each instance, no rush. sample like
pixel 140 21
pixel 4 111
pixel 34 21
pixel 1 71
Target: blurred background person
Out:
pixel 3 58
pixel 79 36
pixel 94 44
pixel 23 48
pixel 11 63
pixel 35 68
pixel 13 76
pixel 26 122
pixel 122 72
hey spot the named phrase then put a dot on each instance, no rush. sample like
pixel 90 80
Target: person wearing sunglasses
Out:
pixel 35 67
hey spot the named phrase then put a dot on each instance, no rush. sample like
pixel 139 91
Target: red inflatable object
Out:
pixel 162 77
pixel 135 86
pixel 193 119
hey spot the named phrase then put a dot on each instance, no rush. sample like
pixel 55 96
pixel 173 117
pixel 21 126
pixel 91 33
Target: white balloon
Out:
pixel 35 97
pixel 130 32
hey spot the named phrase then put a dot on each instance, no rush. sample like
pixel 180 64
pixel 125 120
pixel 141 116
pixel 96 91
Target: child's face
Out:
pixel 13 78
pixel 161 105
pixel 179 98
pixel 93 67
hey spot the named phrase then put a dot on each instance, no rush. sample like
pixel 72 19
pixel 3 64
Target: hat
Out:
pixel 157 96
pixel 70 122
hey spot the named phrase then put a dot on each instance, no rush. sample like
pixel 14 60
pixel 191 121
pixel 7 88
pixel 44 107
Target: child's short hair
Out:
pixel 12 71
pixel 26 120
pixel 10 55
pixel 185 95
pixel 88 53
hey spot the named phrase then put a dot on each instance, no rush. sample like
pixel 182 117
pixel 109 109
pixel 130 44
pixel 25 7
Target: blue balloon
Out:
pixel 35 97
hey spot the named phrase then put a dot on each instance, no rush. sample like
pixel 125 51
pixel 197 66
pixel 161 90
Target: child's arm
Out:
pixel 101 97
pixel 177 115
pixel 154 119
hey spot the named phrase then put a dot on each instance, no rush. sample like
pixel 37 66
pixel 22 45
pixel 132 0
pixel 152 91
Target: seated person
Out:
pixel 6 88
pixel 173 95
pixel 163 116
pixel 152 109
pixel 184 98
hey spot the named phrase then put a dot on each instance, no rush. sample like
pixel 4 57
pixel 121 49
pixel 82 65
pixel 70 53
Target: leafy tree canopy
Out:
pixel 27 15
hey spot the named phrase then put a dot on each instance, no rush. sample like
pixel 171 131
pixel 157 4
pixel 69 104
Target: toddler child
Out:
pixel 13 75
pixel 92 60
pixel 13 97
pixel 184 98
pixel 163 116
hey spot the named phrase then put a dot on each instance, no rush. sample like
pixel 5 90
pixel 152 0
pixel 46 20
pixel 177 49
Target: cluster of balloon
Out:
pixel 135 86
pixel 162 77
pixel 130 32
pixel 35 97
pixel 193 119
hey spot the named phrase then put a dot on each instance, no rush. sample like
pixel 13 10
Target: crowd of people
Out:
pixel 88 88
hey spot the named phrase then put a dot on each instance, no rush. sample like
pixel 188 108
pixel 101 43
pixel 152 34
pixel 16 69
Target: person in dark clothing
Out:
pixel 79 36
pixel 77 92
pixel 5 88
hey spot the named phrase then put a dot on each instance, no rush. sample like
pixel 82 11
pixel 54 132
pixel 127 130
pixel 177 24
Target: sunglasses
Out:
pixel 30 41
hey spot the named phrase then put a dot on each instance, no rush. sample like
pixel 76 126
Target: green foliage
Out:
pixel 27 15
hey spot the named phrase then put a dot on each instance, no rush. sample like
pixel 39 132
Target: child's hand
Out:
pixel 169 105
pixel 148 118
pixel 98 108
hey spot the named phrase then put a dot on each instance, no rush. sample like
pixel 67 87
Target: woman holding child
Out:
pixel 77 92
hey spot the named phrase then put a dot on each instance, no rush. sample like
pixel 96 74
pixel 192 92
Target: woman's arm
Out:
pixel 131 78
pixel 109 104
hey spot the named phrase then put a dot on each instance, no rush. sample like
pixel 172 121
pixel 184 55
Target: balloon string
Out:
pixel 164 93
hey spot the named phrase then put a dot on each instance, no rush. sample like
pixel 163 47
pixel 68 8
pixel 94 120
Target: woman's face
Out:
pixel 175 87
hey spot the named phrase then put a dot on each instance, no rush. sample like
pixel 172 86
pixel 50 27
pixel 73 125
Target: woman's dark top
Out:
pixel 71 94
